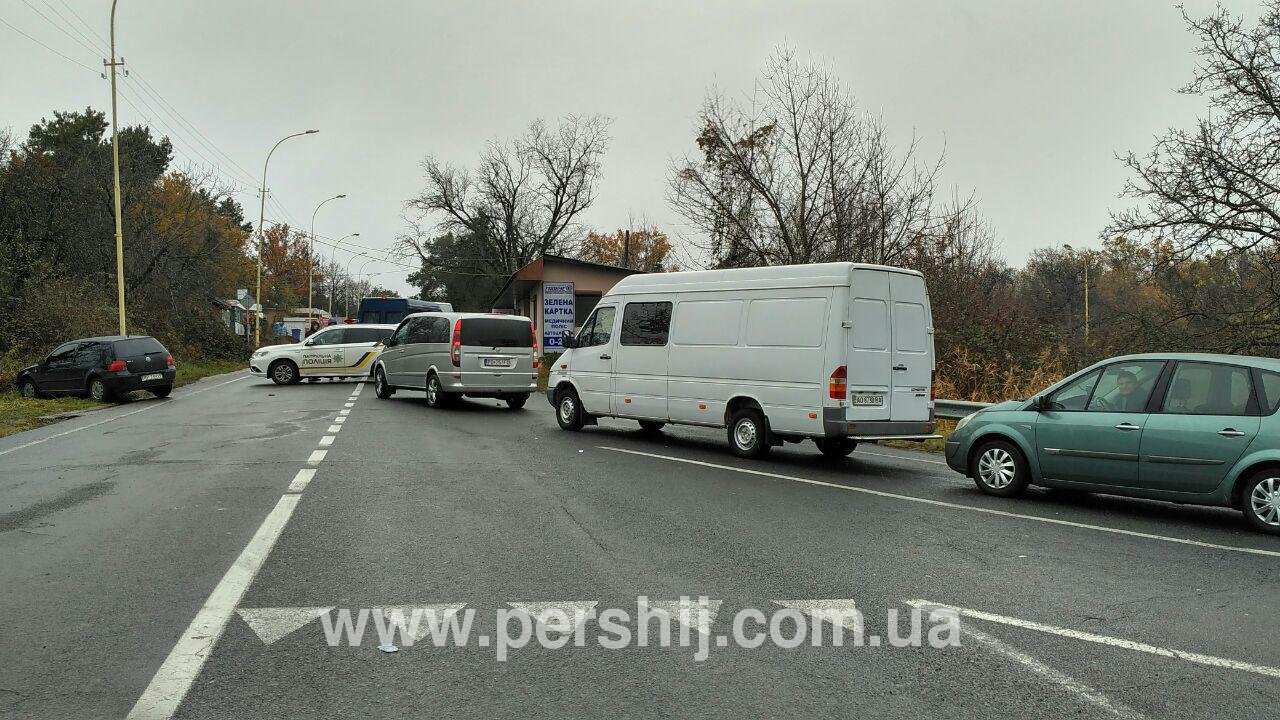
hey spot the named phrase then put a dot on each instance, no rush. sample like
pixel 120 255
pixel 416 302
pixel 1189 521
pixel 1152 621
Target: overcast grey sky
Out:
pixel 1032 99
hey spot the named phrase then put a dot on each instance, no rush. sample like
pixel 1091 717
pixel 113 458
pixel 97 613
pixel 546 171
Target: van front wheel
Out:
pixel 569 410
pixel 747 434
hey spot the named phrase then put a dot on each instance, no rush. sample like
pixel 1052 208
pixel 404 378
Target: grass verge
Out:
pixel 18 413
pixel 945 427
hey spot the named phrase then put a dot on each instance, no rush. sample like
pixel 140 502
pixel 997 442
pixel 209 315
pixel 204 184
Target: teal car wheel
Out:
pixel 999 468
pixel 1262 502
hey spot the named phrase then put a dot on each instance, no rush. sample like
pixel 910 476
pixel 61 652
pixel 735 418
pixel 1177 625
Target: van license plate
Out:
pixel 152 376
pixel 867 399
pixel 495 362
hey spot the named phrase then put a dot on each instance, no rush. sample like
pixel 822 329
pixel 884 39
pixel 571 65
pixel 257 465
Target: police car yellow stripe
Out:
pixel 362 362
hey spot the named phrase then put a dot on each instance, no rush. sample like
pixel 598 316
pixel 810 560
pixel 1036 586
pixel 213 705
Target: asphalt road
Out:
pixel 154 560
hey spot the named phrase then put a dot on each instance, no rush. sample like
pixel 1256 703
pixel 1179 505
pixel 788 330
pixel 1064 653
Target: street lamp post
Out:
pixel 333 282
pixel 346 296
pixel 262 237
pixel 312 256
pixel 115 174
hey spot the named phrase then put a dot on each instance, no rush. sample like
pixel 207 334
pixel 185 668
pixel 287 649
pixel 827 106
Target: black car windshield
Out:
pixel 496 332
pixel 138 346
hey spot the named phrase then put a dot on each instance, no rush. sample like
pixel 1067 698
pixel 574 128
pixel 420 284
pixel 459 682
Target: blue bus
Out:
pixel 391 311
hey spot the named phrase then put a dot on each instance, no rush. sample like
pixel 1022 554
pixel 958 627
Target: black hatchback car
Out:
pixel 101 368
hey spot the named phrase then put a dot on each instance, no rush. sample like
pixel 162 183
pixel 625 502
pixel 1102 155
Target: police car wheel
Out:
pixel 283 372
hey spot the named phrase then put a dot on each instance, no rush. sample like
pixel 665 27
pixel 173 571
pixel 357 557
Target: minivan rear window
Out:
pixel 138 346
pixel 496 332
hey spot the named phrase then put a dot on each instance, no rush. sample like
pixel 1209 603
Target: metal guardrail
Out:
pixel 956 409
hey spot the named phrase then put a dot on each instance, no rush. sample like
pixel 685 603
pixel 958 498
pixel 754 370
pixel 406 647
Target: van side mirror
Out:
pixel 389 342
pixel 567 340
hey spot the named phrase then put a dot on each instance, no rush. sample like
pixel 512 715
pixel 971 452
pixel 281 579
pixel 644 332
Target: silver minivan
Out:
pixel 450 354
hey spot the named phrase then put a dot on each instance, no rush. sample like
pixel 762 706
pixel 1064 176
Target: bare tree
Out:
pixel 1217 186
pixel 798 174
pixel 525 196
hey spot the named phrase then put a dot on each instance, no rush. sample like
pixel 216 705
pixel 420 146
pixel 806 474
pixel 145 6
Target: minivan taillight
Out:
pixel 839 385
pixel 455 348
pixel 533 333
pixel 117 366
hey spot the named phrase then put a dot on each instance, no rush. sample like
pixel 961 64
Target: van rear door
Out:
pixel 497 353
pixel 912 331
pixel 870 351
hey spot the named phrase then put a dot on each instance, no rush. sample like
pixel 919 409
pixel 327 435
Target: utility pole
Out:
pixel 1086 301
pixel 262 237
pixel 312 258
pixel 333 258
pixel 626 249
pixel 115 173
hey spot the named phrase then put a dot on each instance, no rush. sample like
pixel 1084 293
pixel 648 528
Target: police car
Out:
pixel 334 352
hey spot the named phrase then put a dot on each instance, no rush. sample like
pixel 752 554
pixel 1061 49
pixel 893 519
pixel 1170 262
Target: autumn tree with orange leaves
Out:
pixel 647 249
pixel 286 260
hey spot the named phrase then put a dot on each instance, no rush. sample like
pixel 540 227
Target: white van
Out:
pixel 448 355
pixel 836 352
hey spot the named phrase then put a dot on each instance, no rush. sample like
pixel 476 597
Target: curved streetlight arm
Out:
pixel 262 237
pixel 312 256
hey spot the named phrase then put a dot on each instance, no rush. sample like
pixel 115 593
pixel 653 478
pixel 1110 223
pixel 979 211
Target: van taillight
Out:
pixel 117 366
pixel 838 386
pixel 455 349
pixel 533 333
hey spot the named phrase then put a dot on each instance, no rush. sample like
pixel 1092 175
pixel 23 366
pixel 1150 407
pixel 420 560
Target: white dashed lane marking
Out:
pixel 326 441
pixel 316 457
pixel 334 428
pixel 301 479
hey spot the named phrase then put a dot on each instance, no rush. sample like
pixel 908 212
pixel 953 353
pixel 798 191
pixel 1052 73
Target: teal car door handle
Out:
pixel 1128 426
pixel 1231 432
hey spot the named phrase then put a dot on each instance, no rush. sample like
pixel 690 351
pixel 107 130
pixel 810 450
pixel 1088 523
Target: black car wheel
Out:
pixel 380 386
pixel 98 390
pixel 162 391
pixel 436 396
pixel 28 388
pixel 569 410
pixel 747 433
pixel 999 468
pixel 835 447
pixel 1261 501
pixel 283 372
pixel 515 402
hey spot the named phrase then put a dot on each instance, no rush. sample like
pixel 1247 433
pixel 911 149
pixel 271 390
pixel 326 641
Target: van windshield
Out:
pixel 496 332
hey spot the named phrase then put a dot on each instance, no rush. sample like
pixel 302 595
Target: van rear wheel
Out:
pixel 747 434
pixel 569 410
pixel 835 447
pixel 651 427
pixel 515 402
pixel 436 396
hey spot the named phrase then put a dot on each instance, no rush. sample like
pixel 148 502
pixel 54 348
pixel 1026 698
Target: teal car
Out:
pixel 1187 428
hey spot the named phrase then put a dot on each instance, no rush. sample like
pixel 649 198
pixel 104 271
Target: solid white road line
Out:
pixel 1057 677
pixel 113 418
pixel 301 479
pixel 1197 658
pixel 956 506
pixel 316 457
pixel 334 428
pixel 172 681
pixel 326 441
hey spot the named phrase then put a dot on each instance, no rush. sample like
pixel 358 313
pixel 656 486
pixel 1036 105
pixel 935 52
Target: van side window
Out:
pixel 418 330
pixel 440 331
pixel 646 323
pixel 599 328
pixel 400 333
pixel 1208 389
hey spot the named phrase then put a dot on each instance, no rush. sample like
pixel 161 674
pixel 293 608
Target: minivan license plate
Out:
pixel 152 376
pixel 867 399
pixel 496 362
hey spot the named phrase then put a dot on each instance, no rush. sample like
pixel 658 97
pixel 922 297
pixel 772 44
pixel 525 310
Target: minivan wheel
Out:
pixel 98 390
pixel 29 389
pixel 380 386
pixel 651 427
pixel 569 410
pixel 436 396
pixel 835 447
pixel 747 434
pixel 1261 502
pixel 1000 469
pixel 283 372
pixel 515 402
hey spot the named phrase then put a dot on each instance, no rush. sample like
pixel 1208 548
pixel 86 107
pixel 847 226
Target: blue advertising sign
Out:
pixel 557 313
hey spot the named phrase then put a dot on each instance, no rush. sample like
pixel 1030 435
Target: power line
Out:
pixel 61 29
pixel 89 27
pixel 88 41
pixel 68 58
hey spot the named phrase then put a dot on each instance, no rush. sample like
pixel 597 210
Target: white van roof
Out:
pixel 777 276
